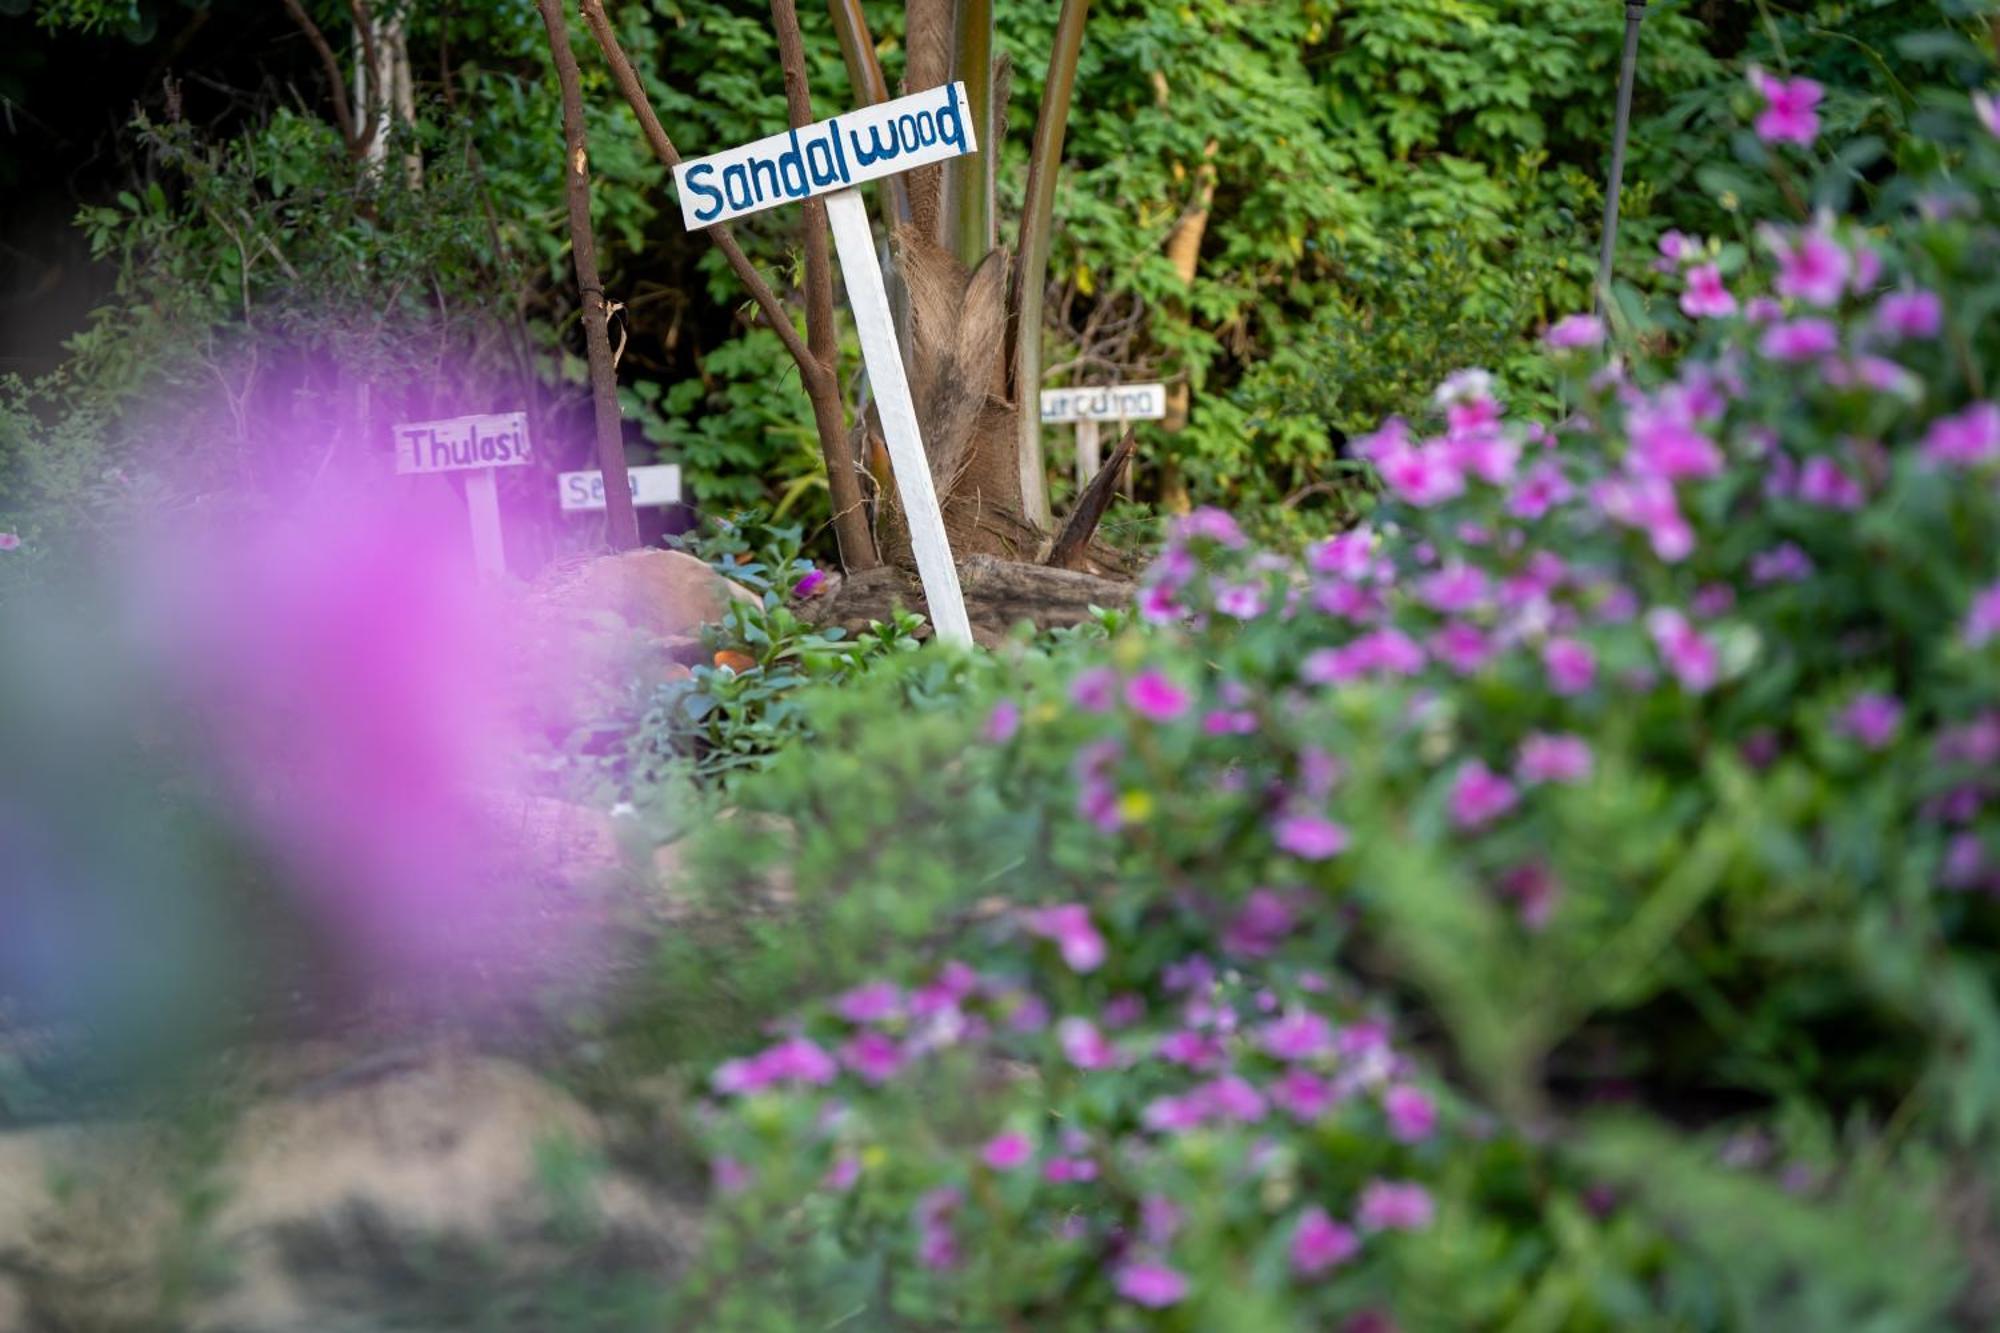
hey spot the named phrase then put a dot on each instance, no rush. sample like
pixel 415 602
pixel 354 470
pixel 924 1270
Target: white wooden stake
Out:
pixel 1089 454
pixel 482 502
pixel 868 296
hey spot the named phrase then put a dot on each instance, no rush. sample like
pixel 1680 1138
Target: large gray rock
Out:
pixel 416 1195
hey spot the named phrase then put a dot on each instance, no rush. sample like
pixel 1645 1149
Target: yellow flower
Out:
pixel 1136 806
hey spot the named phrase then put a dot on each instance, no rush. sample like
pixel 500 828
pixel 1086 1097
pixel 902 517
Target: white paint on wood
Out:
pixel 652 487
pixel 832 155
pixel 482 502
pixel 855 242
pixel 1114 402
pixel 1089 453
pixel 464 442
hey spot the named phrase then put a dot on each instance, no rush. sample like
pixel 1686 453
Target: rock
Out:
pixel 413 1194
pixel 667 594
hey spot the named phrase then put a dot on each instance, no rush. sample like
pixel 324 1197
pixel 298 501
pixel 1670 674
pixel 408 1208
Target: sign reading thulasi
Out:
pixel 475 446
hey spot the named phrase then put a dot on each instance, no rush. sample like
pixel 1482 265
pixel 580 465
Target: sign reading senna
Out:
pixel 834 154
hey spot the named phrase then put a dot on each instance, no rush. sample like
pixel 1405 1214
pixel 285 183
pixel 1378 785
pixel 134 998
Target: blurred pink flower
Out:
pixel 871 1003
pixel 1968 439
pixel 1570 664
pixel 1075 937
pixel 1412 1114
pixel 1575 331
pixel 1873 719
pixel 1799 340
pixel 1554 758
pixel 1320 1243
pixel 1005 1152
pixel 1003 722
pixel 1095 690
pixel 10 541
pixel 1812 267
pixel 1309 837
pixel 1707 296
pixel 1982 622
pixel 1390 1205
pixel 1687 654
pixel 1910 313
pixel 1789 114
pixel 1299 1035
pixel 1152 1285
pixel 1152 695
pixel 1084 1046
pixel 1783 563
pixel 1479 795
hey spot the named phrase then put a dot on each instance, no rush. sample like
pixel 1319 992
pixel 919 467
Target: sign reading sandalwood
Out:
pixel 834 154
pixel 1117 402
pixel 462 443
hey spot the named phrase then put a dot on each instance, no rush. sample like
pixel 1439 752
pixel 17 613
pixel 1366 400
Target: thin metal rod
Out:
pixel 1635 14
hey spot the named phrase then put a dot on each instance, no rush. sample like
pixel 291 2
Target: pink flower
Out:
pixel 1647 503
pixel 937 1247
pixel 1872 719
pixel 1193 1050
pixel 1095 690
pixel 1666 444
pixel 1299 1035
pixel 1799 340
pixel 810 585
pixel 1554 758
pixel 730 1176
pixel 1575 331
pixel 1320 1243
pixel 840 1177
pixel 1788 115
pixel 1813 268
pixel 1229 722
pixel 1069 925
pixel 1302 1095
pixel 794 1061
pixel 1422 476
pixel 1003 722
pixel 1005 1152
pixel 1174 1115
pixel 1069 1170
pixel 1151 695
pixel 1479 795
pixel 1309 837
pixel 1240 601
pixel 1570 664
pixel 1707 296
pixel 1541 489
pixel 1390 1205
pixel 1987 108
pixel 1210 524
pixel 1982 622
pixel 874 1057
pixel 1455 589
pixel 1464 648
pixel 1412 1114
pixel 1349 556
pixel 1257 930
pixel 1783 563
pixel 1152 1285
pixel 1676 248
pixel 1084 1046
pixel 1532 888
pixel 1910 313
pixel 1966 440
pixel 1822 482
pixel 1233 1098
pixel 10 541
pixel 872 1003
pixel 1684 650
pixel 1712 600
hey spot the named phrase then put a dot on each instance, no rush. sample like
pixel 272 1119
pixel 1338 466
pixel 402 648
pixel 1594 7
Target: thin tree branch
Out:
pixel 336 82
pixel 1024 327
pixel 822 335
pixel 364 25
pixel 634 92
pixel 621 519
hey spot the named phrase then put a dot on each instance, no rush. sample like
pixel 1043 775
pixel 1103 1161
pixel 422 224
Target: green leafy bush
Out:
pixel 1568 901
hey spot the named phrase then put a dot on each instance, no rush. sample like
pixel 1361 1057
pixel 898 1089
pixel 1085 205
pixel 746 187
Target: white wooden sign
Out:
pixel 835 154
pixel 1116 402
pixel 831 158
pixel 476 446
pixel 583 492
pixel 1085 408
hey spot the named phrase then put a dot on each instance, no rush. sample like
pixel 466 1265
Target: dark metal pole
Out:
pixel 1635 14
